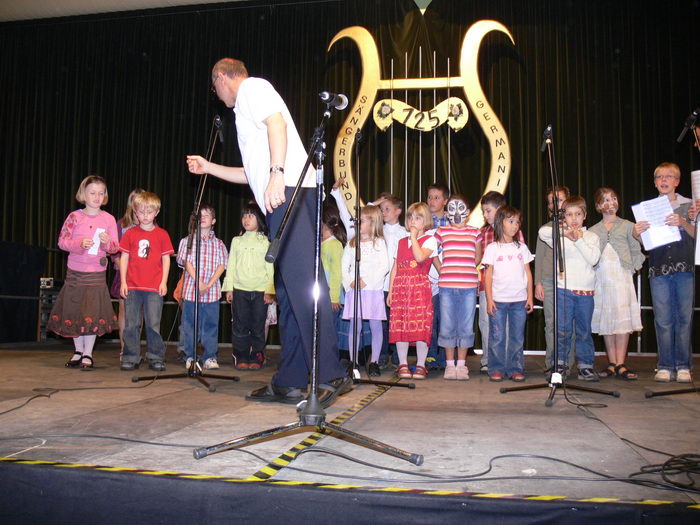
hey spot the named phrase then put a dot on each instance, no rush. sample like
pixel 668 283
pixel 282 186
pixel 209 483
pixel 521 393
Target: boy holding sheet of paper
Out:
pixel 671 278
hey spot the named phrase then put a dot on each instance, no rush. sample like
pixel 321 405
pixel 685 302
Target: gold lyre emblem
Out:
pixel 451 111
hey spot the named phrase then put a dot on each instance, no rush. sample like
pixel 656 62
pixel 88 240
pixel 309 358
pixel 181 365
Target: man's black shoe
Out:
pixel 276 394
pixel 331 390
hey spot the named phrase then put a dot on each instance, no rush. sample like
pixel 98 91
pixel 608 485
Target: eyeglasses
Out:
pixel 665 177
pixel 213 84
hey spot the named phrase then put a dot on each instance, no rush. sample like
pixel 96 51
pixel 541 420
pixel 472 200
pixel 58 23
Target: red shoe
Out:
pixel 254 366
pixel 403 372
pixel 420 373
pixel 496 377
pixel 242 366
pixel 518 377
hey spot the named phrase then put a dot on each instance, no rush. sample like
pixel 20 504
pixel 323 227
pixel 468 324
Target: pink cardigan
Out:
pixel 78 226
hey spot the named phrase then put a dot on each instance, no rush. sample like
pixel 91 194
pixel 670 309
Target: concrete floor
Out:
pixel 457 426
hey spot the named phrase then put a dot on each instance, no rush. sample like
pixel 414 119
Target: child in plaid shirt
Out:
pixel 212 263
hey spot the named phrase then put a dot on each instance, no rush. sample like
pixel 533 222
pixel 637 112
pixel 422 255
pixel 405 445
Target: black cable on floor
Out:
pixel 49 391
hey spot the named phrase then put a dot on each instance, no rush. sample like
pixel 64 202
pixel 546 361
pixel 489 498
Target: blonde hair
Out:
pixel 129 217
pixel 147 200
pixel 90 179
pixel 669 166
pixel 420 209
pixel 375 216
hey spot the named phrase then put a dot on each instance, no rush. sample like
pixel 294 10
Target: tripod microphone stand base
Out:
pixel 194 371
pixel 312 416
pixel 555 382
pixel 355 381
pixel 671 392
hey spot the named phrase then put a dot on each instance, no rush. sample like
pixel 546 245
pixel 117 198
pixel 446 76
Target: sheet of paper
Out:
pixel 96 240
pixel 695 186
pixel 655 211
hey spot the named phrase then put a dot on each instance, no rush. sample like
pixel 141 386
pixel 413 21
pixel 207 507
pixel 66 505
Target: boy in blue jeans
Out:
pixel 213 258
pixel 144 265
pixel 672 280
pixel 575 287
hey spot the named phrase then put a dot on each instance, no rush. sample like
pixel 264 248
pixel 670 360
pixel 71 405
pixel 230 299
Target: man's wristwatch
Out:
pixel 276 168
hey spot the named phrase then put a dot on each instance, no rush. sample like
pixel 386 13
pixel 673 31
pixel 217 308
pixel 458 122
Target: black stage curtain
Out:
pixel 127 96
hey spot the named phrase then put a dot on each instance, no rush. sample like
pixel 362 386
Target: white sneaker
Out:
pixel 210 364
pixel 683 376
pixel 450 373
pixel 188 363
pixel 462 373
pixel 663 376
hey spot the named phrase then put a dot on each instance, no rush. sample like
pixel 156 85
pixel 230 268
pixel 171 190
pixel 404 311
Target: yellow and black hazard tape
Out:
pixel 428 492
pixel 274 466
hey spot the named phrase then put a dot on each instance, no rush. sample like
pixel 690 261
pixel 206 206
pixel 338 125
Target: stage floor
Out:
pixel 457 426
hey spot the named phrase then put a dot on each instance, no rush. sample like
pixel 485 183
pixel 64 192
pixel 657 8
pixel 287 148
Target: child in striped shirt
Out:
pixel 458 284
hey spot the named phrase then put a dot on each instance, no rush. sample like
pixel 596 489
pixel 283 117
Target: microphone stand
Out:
pixel 195 234
pixel 689 124
pixel 357 319
pixel 556 380
pixel 311 412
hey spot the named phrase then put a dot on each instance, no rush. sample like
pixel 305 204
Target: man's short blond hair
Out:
pixel 230 67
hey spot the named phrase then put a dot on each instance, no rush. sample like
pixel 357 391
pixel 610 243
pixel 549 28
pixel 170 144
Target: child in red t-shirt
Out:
pixel 144 266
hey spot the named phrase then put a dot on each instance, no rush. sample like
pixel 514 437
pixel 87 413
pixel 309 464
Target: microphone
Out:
pixel 689 123
pixel 336 100
pixel 219 124
pixel 546 137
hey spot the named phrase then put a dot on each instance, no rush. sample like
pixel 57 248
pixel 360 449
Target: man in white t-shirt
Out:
pixel 273 158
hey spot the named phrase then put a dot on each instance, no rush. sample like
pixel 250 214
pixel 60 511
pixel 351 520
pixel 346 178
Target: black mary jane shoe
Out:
pixel 84 365
pixel 74 363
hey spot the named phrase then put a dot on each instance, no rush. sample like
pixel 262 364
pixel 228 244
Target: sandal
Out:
pixel 420 373
pixel 84 364
pixel 403 372
pixel 609 371
pixel 74 361
pixel 627 374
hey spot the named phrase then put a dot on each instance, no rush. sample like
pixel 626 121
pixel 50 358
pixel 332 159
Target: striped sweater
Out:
pixel 458 257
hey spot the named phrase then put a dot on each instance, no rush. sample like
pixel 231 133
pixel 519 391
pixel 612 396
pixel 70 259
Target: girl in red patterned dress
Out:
pixel 410 297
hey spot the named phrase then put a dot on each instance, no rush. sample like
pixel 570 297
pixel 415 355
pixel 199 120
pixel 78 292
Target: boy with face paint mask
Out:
pixel 458 286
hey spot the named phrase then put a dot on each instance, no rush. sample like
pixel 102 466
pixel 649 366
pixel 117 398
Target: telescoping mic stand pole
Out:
pixel 690 124
pixel 556 380
pixel 195 237
pixel 312 413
